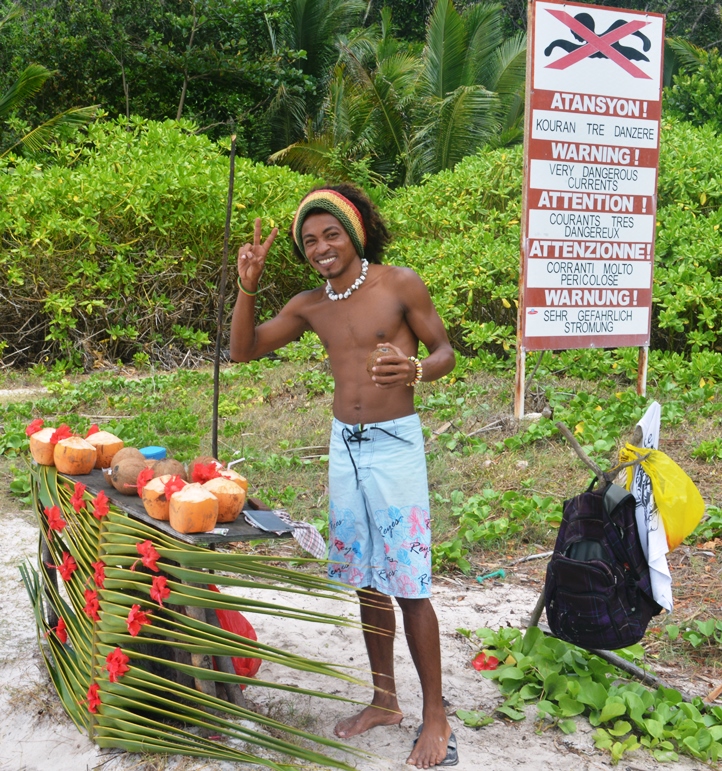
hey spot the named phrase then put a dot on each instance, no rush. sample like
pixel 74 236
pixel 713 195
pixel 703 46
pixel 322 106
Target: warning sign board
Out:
pixel 590 176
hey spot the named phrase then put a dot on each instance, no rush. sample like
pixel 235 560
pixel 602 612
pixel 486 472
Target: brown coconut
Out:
pixel 126 452
pixel 193 510
pixel 124 475
pixel 234 476
pixel 170 466
pixel 74 456
pixel 107 445
pixel 231 498
pixel 375 355
pixel 41 447
pixel 154 498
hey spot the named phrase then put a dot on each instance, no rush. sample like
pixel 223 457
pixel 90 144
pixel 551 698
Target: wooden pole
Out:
pixel 222 301
pixel 519 382
pixel 642 371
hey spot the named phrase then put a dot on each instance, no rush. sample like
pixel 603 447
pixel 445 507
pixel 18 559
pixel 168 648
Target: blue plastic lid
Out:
pixel 153 453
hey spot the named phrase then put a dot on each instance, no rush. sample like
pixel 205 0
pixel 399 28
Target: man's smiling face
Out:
pixel 328 246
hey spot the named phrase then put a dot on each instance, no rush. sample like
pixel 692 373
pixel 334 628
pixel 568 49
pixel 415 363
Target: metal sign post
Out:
pixel 594 84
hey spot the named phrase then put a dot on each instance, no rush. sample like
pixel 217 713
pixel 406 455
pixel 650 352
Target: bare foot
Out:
pixel 368 718
pixel 431 745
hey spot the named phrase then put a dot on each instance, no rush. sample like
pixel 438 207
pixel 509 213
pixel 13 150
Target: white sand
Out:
pixel 36 735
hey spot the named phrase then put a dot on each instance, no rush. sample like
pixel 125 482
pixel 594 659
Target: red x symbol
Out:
pixel 595 43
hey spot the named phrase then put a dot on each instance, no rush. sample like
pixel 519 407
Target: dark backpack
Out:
pixel 598 593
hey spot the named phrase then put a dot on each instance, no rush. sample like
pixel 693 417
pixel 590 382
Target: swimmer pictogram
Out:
pixel 603 46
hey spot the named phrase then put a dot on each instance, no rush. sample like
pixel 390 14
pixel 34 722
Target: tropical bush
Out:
pixel 696 94
pixel 113 249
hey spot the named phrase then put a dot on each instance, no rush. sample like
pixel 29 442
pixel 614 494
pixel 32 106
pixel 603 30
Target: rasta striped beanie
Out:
pixel 340 207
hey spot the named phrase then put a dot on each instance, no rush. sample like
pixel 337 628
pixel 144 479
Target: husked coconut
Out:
pixel 155 498
pixel 231 498
pixel 41 448
pixel 74 456
pixel 193 510
pixel 234 476
pixel 107 446
pixel 124 475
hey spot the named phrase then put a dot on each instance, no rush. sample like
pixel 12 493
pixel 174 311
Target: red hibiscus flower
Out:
pixel 143 478
pixel 76 500
pixel 55 518
pixel 68 566
pixel 93 698
pixel 61 631
pixel 92 604
pixel 116 662
pixel 99 574
pixel 92 430
pixel 159 591
pixel 61 432
pixel 174 484
pixel 482 661
pixel 136 619
pixel 148 556
pixel 34 426
pixel 101 505
pixel 202 472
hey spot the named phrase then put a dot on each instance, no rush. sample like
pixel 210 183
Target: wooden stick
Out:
pixel 495 426
pixel 531 557
pixel 604 477
pixel 567 434
pixel 222 301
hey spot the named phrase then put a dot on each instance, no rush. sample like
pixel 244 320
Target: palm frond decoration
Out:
pixel 129 637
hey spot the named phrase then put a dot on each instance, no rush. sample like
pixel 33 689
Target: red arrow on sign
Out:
pixel 601 43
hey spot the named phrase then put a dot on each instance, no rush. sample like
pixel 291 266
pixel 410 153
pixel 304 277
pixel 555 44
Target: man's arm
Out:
pixel 247 340
pixel 425 322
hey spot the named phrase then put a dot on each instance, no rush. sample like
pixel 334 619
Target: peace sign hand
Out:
pixel 252 257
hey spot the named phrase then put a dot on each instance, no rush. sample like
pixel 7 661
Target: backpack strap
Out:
pixel 613 497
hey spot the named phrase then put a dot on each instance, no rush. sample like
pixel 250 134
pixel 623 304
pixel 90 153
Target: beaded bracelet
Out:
pixel 245 291
pixel 419 371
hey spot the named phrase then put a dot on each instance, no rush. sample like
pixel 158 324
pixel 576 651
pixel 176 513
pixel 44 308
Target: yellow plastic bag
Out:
pixel 675 494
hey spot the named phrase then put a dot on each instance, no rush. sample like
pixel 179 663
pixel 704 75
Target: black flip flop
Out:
pixel 452 752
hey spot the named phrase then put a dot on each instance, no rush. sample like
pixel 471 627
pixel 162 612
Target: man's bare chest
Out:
pixel 358 323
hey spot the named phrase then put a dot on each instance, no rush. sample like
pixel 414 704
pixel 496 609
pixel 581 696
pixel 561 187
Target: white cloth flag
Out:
pixel 649 521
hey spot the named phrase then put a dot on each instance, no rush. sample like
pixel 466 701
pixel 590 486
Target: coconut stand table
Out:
pixel 131 632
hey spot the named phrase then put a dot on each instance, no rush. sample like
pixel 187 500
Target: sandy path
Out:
pixel 36 735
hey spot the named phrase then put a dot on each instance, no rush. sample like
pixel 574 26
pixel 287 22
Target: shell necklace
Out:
pixel 356 284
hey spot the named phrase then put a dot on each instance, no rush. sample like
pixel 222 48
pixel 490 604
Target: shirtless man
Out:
pixel 379 510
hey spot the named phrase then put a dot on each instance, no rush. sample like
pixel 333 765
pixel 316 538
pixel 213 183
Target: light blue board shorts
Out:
pixel 379 524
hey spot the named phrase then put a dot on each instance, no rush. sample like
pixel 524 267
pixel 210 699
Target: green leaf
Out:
pixel 568 726
pixel 654 727
pixel 665 756
pixel 592 694
pixel 569 707
pixel 474 718
pixel 510 712
pixel 621 727
pixel 611 710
